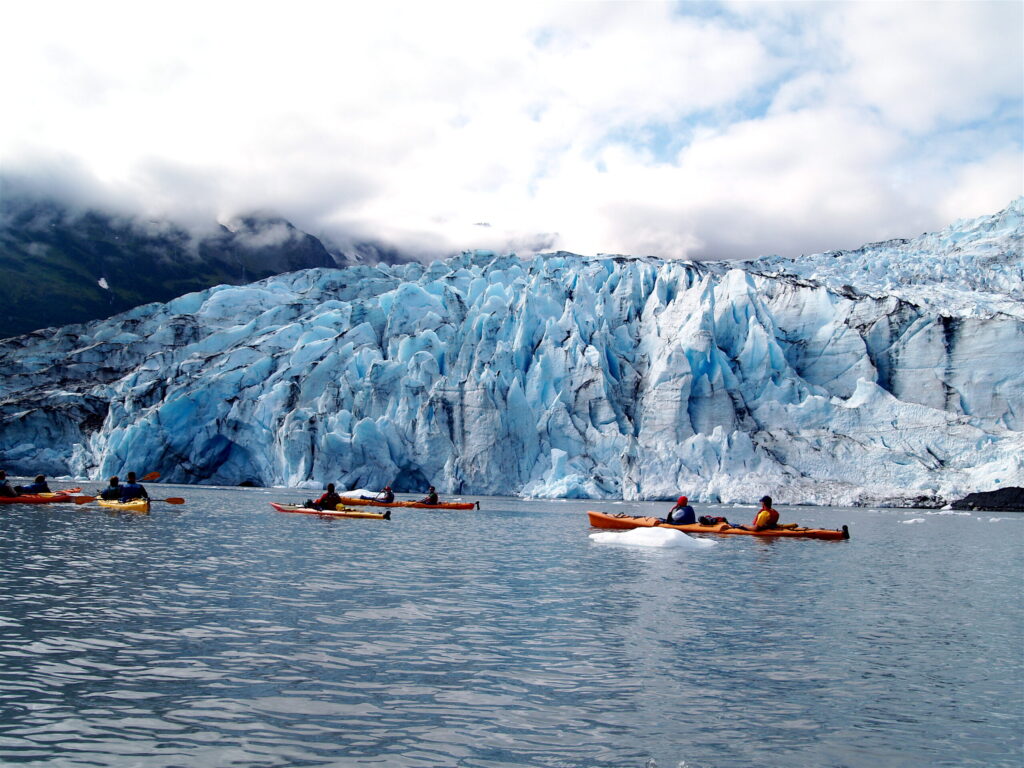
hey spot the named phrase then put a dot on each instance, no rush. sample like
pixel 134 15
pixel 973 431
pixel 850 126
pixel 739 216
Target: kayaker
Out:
pixel 430 498
pixel 330 499
pixel 132 490
pixel 766 517
pixel 39 486
pixel 682 513
pixel 113 491
pixel 5 485
pixel 387 496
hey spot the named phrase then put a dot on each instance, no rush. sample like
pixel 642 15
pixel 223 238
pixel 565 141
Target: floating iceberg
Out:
pixel 665 538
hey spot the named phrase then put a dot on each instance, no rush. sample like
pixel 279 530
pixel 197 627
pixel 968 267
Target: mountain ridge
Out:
pixel 63 265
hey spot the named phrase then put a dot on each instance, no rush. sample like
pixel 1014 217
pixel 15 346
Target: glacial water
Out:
pixel 221 633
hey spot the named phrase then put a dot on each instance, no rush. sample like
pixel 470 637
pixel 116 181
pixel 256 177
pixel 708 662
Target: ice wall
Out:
pixel 563 376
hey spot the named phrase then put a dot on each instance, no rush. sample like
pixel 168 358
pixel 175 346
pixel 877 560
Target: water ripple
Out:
pixel 225 634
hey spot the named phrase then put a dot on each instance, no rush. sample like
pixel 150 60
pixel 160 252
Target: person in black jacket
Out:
pixel 682 513
pixel 113 491
pixel 5 485
pixel 39 486
pixel 132 490
pixel 387 496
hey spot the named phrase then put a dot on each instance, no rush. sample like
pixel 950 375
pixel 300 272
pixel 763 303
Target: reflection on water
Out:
pixel 221 633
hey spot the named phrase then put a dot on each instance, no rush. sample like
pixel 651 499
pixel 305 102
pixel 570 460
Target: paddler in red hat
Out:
pixel 682 513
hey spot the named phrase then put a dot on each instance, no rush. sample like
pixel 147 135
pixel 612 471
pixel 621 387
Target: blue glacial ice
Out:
pixel 868 376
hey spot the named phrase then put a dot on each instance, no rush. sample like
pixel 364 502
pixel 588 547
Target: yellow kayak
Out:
pixel 135 505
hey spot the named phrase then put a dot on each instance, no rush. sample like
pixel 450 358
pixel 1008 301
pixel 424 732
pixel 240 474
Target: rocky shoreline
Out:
pixel 1003 500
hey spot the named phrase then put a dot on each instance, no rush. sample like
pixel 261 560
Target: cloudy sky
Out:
pixel 699 130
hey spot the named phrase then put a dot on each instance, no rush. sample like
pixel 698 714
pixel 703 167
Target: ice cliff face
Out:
pixel 811 380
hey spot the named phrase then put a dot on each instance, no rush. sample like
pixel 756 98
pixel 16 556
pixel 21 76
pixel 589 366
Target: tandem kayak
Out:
pixel 357 502
pixel 41 498
pixel 340 512
pixel 628 522
pixel 135 505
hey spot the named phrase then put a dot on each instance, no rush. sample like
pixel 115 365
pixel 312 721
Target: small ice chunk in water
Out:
pixel 913 520
pixel 651 537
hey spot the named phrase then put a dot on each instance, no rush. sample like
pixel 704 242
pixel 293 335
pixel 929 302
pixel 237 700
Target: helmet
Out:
pixel 682 500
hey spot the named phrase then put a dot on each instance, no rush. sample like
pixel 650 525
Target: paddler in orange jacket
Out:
pixel 766 517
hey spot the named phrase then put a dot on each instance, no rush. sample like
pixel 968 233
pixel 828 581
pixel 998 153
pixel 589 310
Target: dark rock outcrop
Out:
pixel 1004 500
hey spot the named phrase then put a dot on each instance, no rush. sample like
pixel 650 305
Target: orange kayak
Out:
pixel 339 512
pixel 354 502
pixel 628 522
pixel 41 498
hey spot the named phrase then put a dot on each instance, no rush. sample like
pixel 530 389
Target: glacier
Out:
pixel 883 375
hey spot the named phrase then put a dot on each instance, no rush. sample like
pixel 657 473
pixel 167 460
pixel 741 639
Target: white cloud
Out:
pixel 928 63
pixel 595 127
pixel 983 186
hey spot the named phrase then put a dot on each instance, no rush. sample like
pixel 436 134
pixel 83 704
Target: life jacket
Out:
pixel 329 500
pixel 111 492
pixel 131 491
pixel 766 518
pixel 683 516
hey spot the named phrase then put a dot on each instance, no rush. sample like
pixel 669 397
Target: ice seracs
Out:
pixel 970 267
pixel 561 376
